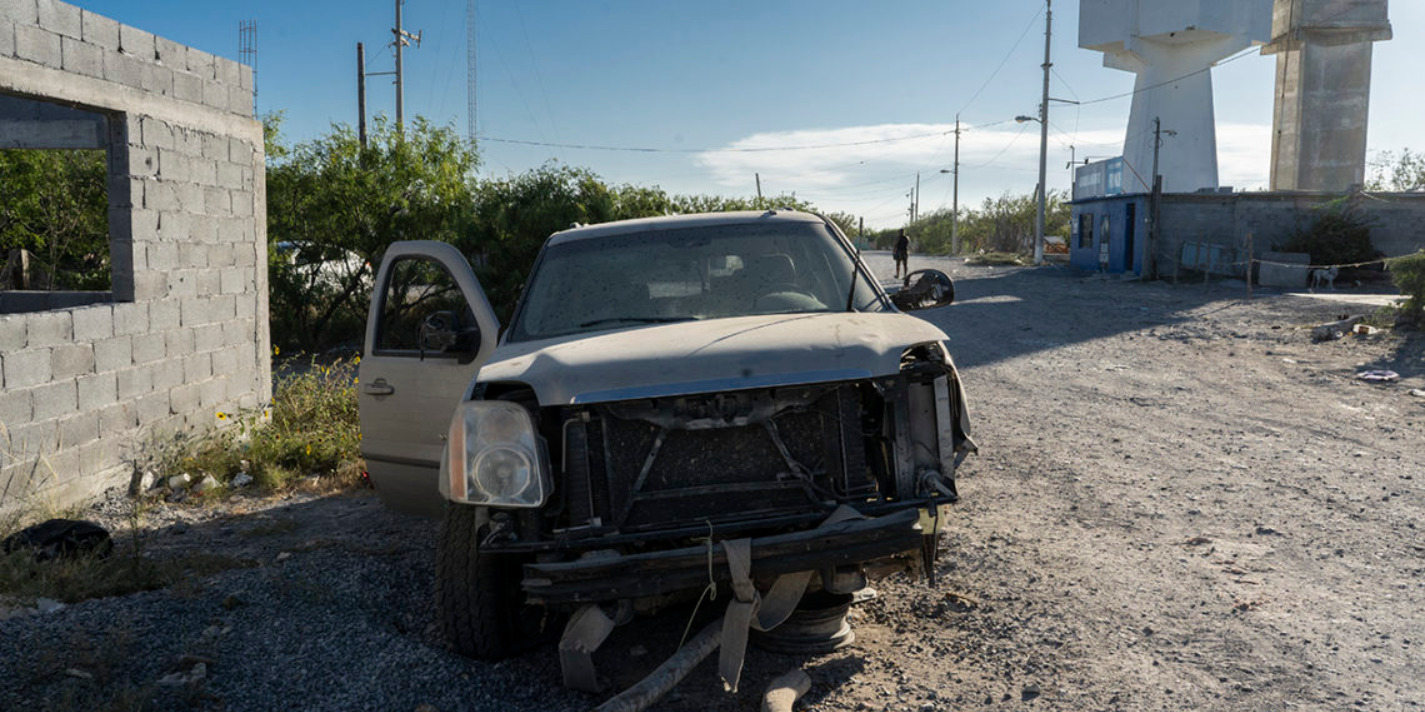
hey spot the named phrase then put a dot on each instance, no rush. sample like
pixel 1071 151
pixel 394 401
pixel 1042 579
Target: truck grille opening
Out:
pixel 657 464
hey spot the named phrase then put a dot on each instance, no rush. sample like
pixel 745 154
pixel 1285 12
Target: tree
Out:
pixel 333 206
pixel 55 205
pixel 1397 172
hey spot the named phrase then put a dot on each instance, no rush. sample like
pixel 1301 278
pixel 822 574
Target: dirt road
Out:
pixel 1180 503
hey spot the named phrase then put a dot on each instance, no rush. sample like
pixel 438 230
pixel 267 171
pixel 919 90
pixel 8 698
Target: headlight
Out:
pixel 494 457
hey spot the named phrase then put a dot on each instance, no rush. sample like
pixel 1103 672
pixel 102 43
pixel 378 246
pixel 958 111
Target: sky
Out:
pixel 700 83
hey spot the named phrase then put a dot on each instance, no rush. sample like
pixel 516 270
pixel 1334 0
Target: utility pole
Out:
pixel 361 92
pixel 402 39
pixel 1155 199
pixel 915 214
pixel 955 204
pixel 759 185
pixel 1043 136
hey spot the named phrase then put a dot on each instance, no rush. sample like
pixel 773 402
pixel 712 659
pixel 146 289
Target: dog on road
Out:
pixel 1324 277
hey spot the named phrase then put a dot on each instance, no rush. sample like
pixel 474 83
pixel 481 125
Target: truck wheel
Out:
pixel 476 594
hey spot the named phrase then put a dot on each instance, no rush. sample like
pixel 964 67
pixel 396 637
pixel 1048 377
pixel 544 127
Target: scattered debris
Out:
pixel 48 605
pixel 1364 330
pixel 1378 376
pixel 1197 541
pixel 61 539
pixel 1267 531
pixel 1334 330
pixel 179 482
pixel 1417 392
pixel 1029 692
pixel 81 674
pixel 196 672
pixel 783 692
pixel 241 479
pixel 207 484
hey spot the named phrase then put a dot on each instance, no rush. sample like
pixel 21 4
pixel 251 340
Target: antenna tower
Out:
pixel 470 69
pixel 247 53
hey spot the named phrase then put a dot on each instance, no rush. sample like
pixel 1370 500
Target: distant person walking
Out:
pixel 901 253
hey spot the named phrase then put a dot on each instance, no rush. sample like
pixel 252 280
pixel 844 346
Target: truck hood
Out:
pixel 708 356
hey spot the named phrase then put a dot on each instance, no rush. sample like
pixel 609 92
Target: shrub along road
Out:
pixel 1181 502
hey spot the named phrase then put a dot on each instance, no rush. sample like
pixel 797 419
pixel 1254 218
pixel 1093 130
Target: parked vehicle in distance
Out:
pixel 665 386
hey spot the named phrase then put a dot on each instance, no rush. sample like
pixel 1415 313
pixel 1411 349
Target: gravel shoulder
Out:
pixel 1180 502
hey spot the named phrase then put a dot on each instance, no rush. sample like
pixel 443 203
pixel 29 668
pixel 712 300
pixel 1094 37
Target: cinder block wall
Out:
pixel 184 334
pixel 1272 217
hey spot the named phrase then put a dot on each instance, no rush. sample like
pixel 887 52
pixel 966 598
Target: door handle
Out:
pixel 379 388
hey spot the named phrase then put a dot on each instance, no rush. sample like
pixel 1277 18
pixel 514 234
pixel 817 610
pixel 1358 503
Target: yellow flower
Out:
pixel 276 351
pixel 309 449
pixel 358 360
pixel 356 380
pixel 222 415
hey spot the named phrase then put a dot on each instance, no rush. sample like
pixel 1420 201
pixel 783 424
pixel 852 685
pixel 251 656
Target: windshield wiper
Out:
pixel 637 320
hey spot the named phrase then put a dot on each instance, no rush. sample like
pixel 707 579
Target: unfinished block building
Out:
pixel 88 380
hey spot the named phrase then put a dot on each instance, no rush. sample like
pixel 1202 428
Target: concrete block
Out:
pixel 174 167
pixel 12 333
pixel 245 77
pixel 124 69
pixel 187 87
pixel 208 338
pixel 217 201
pixel 190 194
pixel 193 311
pixel 227 71
pixel 153 408
pixel 33 439
pixel 80 57
pixel 201 63
pixel 182 283
pixel 163 315
pixel 245 256
pixel 156 133
pixel 209 282
pixel 113 354
pixel 38 45
pixel 237 331
pixel 61 18
pixel 233 281
pixel 243 203
pixel 135 382
pixel 162 256
pixel 56 399
pixel 185 398
pixel 117 418
pixel 191 254
pixel 159 195
pixel 225 361
pixel 149 347
pixel 158 79
pixel 174 228
pixel 25 12
pixel 170 53
pixel 223 308
pixel 236 230
pixel 222 255
pixel 99 31
pixel 180 342
pixel 92 323
pixel 215 95
pixel 240 101
pixel 202 171
pixel 31 367
pixel 138 43
pixel 198 367
pixel 98 391
pixel 246 305
pixel 229 175
pixel 130 318
pixel 1286 273
pixel 71 360
pixel 7 37
pixel 150 285
pixel 167 374
pixel 50 329
pixel 212 393
pixel 78 429
pixel 16 407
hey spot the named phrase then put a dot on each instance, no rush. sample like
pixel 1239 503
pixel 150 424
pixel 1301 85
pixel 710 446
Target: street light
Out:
pixel 955 206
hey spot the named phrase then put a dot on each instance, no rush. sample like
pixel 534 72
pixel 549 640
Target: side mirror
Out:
pixel 441 333
pixel 925 289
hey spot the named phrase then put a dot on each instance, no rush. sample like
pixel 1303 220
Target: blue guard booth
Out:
pixel 1108 226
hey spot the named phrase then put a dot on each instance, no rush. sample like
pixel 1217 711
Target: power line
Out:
pixel 1010 53
pixel 1166 82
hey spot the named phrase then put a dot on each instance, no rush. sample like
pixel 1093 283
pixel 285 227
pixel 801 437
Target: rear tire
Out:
pixel 476 595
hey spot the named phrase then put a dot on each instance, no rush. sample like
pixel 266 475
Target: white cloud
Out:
pixel 870 169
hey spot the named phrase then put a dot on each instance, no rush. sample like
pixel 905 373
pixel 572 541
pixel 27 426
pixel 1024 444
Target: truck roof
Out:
pixel 678 222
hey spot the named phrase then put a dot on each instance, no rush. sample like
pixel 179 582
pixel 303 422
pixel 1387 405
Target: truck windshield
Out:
pixel 704 272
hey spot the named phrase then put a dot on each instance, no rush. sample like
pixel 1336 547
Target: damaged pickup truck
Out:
pixel 666 387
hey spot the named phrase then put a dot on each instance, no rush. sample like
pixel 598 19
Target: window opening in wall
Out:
pixel 55 248
pixel 1085 230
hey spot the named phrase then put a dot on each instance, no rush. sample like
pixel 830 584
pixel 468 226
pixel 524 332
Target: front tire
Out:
pixel 477 594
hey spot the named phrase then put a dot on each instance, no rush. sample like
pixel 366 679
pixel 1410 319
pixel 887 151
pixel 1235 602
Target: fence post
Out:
pixel 1249 265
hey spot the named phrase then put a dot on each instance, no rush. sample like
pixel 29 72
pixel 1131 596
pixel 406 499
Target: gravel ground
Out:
pixel 1180 502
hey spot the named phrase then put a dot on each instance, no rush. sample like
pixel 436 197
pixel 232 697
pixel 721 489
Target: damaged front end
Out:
pixel 646 485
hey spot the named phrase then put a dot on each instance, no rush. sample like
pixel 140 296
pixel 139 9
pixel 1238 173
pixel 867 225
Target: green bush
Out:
pixel 1339 235
pixel 1409 274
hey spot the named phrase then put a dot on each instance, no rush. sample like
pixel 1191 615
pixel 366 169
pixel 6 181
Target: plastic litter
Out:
pixel 1378 376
